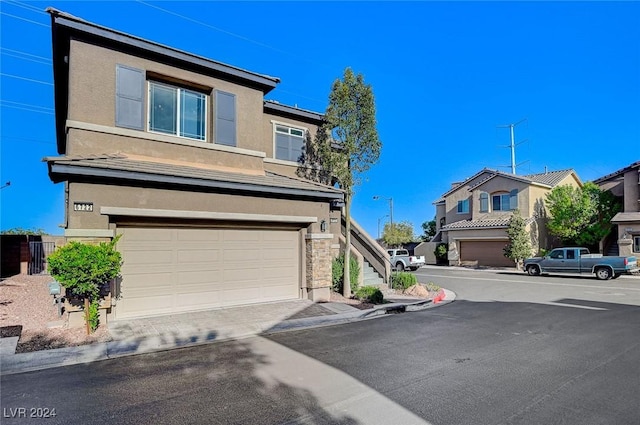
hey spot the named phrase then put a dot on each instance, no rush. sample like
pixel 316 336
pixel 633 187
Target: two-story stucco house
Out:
pixel 183 158
pixel 624 184
pixel 472 216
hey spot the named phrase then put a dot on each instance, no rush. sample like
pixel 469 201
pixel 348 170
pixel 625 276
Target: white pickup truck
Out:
pixel 401 260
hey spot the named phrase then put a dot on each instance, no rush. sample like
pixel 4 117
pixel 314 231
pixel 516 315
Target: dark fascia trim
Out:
pixel 618 172
pixel 71 170
pixel 266 83
pixel 277 108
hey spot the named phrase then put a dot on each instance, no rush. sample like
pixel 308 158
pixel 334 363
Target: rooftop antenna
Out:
pixel 513 144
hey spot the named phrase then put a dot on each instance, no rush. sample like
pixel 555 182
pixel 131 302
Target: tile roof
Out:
pixel 549 179
pixel 495 223
pixel 198 176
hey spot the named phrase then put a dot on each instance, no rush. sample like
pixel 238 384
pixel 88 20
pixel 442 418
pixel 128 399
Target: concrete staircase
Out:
pixel 371 277
pixel 613 250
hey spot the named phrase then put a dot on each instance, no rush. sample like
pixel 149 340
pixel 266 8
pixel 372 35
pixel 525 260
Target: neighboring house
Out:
pixel 624 184
pixel 473 216
pixel 183 158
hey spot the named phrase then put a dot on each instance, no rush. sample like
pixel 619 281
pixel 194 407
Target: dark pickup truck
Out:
pixel 578 260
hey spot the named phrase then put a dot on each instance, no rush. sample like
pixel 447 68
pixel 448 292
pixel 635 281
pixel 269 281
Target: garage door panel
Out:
pixel 485 253
pixel 169 270
pixel 231 236
pixel 198 235
pixel 186 256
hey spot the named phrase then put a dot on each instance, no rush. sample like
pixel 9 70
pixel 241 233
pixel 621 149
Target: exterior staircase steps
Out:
pixel 371 277
pixel 614 250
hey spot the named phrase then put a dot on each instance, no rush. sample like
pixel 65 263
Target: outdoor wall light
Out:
pixel 323 226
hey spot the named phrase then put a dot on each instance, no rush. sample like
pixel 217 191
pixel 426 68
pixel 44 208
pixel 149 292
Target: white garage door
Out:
pixel 171 270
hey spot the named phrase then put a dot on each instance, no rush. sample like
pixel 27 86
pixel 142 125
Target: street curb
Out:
pixel 12 363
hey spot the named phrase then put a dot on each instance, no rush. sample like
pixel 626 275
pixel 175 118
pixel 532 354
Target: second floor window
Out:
pixel 505 201
pixel 463 207
pixel 177 111
pixel 289 142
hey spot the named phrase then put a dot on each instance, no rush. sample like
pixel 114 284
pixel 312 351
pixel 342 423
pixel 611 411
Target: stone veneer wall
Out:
pixel 318 267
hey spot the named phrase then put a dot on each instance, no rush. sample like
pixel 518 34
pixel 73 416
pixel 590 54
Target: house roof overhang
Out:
pixel 277 108
pixel 626 217
pixel 119 170
pixel 635 165
pixel 65 27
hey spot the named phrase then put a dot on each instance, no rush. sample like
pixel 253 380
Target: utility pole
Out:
pixel 513 143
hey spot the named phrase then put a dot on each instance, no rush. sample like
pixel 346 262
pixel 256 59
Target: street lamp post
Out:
pixel 386 215
pixel 375 198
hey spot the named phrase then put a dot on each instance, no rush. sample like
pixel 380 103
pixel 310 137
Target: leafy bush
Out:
pixel 94 314
pixel 403 280
pixel 84 269
pixel 441 252
pixel 369 294
pixel 337 273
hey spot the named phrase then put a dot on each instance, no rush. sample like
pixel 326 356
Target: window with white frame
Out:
pixel 636 244
pixel 463 207
pixel 177 111
pixel 289 142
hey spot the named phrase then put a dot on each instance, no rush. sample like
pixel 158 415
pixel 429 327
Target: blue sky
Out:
pixel 445 75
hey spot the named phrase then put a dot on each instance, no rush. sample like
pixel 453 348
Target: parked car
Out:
pixel 401 260
pixel 579 260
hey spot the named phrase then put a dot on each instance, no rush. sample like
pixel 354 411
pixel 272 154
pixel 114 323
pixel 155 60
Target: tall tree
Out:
pixel 581 215
pixel 429 228
pixel 519 246
pixel 397 234
pixel 347 144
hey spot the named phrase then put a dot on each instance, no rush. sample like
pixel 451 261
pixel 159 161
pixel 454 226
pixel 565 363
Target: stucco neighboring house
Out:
pixel 624 184
pixel 183 158
pixel 472 216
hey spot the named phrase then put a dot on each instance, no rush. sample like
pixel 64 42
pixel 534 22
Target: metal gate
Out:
pixel 38 253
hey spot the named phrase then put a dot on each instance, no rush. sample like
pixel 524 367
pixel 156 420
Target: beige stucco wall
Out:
pixel 632 191
pixel 149 198
pixel 92 83
pixel 500 185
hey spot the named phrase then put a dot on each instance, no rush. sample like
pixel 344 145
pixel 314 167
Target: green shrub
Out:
pixel 337 273
pixel 403 280
pixel 369 294
pixel 94 314
pixel 441 252
pixel 83 270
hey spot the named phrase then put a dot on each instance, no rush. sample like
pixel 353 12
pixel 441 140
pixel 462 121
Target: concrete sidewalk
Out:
pixel 147 335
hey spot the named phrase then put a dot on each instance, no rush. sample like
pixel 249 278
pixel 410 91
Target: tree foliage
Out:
pixel 581 216
pixel 83 269
pixel 429 228
pixel 519 246
pixel 21 231
pixel 397 234
pixel 347 144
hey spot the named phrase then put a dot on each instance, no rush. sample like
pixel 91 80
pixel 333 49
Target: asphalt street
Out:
pixel 512 349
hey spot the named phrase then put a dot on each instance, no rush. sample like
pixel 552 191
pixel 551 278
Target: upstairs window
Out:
pixel 463 207
pixel 177 111
pixel 636 244
pixel 289 142
pixel 505 201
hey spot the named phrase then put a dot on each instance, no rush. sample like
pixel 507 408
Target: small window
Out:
pixel 557 255
pixel 463 207
pixel 571 255
pixel 636 244
pixel 584 252
pixel 289 142
pixel 177 111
